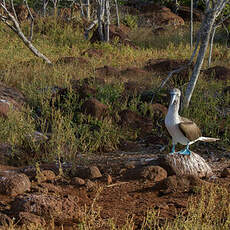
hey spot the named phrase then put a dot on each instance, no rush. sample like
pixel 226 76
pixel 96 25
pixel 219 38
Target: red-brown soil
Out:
pixel 121 190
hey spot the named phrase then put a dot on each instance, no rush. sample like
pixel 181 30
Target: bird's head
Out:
pixel 175 97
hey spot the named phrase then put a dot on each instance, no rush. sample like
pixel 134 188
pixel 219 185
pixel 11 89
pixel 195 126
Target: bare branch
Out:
pixel 211 46
pixel 32 21
pixel 12 6
pixel 93 23
pixel 16 28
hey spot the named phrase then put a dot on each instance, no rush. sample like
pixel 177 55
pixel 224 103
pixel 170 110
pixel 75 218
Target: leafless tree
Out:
pixel 10 20
pixel 44 5
pixel 191 25
pixel 117 13
pixel 213 9
pixel 103 19
pixel 55 4
pixel 31 19
pixel 107 22
pixel 88 9
pixel 216 25
pixel 100 18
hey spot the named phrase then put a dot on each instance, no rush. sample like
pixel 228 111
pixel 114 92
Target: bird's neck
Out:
pixel 173 110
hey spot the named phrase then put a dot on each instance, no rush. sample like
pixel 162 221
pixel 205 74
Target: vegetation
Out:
pixel 72 132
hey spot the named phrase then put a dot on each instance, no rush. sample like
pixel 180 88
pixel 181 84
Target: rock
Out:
pixel 135 121
pixel 225 172
pixel 23 13
pixel 38 137
pixel 108 71
pixel 65 14
pixel 14 185
pixel 45 175
pixel 95 108
pixel 185 13
pixel 77 181
pixel 167 65
pixel 10 99
pixel 90 185
pixel 179 164
pixel 94 172
pixel 217 72
pixel 115 33
pixel 88 172
pixel 6 151
pixel 27 218
pixel 50 207
pixel 5 220
pixel 134 71
pixel 160 97
pixel 92 52
pixel 160 15
pixel 82 92
pixel 154 173
pixel 130 165
pixel 4 108
pixel 132 88
pixel 178 184
pixel 159 108
pixel 162 206
pixel 72 60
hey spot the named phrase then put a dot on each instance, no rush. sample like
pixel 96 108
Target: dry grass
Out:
pixel 19 68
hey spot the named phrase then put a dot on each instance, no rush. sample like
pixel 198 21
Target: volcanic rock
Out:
pixel 14 185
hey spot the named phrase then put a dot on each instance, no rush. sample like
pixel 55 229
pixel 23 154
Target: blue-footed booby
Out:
pixel 182 130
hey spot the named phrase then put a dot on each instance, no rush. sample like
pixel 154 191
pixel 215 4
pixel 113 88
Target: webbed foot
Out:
pixel 185 152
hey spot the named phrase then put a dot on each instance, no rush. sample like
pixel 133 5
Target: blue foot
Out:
pixel 185 152
pixel 173 150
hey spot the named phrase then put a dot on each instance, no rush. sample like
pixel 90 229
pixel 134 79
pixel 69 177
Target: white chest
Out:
pixel 171 122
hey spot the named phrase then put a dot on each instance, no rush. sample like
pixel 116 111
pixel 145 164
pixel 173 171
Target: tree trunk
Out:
pixel 107 14
pixel 16 28
pixel 100 15
pixel 191 26
pixel 211 46
pixel 206 28
pixel 117 13
pixel 88 10
pixel 45 3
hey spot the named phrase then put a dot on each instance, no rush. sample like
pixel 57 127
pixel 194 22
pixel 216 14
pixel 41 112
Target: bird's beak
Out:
pixel 173 98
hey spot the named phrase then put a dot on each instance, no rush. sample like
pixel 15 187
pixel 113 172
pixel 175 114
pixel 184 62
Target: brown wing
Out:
pixel 189 129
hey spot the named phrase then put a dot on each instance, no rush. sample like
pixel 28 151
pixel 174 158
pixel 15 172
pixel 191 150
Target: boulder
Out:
pixel 160 15
pixel 14 184
pixel 49 207
pixel 225 172
pixel 95 108
pixel 107 71
pixel 27 218
pixel 178 184
pixel 135 121
pixel 77 181
pixel 10 99
pixel 153 173
pixel 91 172
pixel 217 73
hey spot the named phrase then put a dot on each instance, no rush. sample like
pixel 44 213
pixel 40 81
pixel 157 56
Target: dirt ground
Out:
pixel 121 191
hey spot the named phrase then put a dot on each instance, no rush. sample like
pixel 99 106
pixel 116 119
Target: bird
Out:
pixel 182 130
